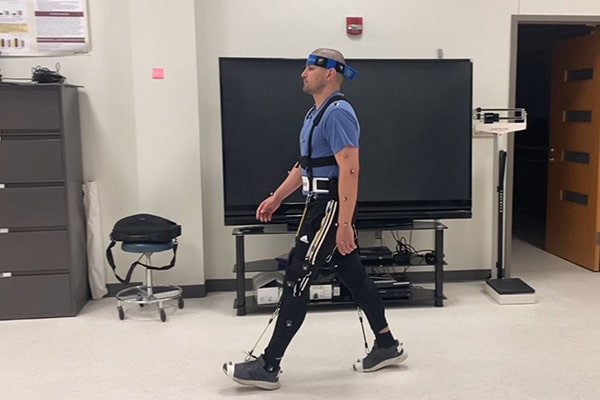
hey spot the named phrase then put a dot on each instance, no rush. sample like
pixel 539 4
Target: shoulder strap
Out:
pixel 332 99
pixel 307 162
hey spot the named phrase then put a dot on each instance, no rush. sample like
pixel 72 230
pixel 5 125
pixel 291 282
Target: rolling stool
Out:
pixel 148 293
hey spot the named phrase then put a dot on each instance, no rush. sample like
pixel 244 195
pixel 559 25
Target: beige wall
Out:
pixel 134 126
pixel 408 29
pixel 140 136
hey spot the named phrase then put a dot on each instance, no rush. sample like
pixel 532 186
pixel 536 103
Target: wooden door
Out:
pixel 572 220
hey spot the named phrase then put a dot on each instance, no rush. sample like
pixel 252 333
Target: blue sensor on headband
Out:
pixel 324 62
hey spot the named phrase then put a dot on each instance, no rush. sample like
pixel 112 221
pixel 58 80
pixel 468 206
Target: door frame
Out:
pixel 517 20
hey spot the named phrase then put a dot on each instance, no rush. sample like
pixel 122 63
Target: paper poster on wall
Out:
pixel 43 27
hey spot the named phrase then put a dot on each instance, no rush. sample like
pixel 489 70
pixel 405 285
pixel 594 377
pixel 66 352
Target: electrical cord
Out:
pixel 407 254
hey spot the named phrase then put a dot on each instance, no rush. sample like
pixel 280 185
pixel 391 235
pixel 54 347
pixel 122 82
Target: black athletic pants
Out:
pixel 314 248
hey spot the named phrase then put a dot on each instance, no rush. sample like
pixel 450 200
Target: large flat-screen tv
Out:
pixel 415 138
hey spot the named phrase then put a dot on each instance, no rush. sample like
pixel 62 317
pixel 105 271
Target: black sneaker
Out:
pixel 380 357
pixel 253 373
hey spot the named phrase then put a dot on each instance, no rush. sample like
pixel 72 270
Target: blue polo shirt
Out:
pixel 338 128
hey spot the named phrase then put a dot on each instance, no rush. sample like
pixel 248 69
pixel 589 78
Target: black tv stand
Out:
pixel 244 303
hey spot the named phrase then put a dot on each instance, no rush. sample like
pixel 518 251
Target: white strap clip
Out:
pixel 314 189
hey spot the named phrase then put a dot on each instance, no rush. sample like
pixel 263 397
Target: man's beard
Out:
pixel 315 89
pixel 305 88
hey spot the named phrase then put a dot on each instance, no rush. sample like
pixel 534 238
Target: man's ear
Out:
pixel 331 74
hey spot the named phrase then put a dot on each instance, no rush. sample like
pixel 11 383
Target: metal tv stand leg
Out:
pixel 439 267
pixel 240 270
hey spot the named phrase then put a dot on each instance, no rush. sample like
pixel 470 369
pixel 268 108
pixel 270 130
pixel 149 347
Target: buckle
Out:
pixel 319 185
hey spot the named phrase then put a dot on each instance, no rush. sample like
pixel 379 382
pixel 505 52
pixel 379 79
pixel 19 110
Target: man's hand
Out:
pixel 265 210
pixel 344 239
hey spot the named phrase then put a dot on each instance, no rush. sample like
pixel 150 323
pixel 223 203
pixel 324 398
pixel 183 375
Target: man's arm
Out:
pixel 291 183
pixel 348 162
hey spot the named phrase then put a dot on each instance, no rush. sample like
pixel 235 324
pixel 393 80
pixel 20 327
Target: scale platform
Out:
pixel 509 291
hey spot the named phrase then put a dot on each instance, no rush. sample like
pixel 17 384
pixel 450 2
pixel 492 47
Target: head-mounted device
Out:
pixel 324 62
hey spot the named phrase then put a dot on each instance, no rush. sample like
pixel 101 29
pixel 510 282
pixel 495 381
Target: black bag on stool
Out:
pixel 143 228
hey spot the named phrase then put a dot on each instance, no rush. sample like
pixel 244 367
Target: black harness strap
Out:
pixel 307 162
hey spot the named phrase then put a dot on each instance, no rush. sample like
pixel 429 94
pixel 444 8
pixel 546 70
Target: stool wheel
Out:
pixel 121 313
pixel 163 315
pixel 140 298
pixel 180 302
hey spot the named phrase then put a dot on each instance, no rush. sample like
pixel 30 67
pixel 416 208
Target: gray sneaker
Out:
pixel 380 357
pixel 253 373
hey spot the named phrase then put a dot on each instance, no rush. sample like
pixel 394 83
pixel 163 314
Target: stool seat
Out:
pixel 145 248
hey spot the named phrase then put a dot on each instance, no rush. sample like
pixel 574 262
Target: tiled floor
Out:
pixel 472 348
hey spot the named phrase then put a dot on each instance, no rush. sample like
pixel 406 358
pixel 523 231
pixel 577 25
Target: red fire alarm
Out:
pixel 354 25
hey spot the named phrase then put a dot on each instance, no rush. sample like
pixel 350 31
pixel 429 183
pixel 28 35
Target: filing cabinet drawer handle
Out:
pixel 3 230
pixel 5 275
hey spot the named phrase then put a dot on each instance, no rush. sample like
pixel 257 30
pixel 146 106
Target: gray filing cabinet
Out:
pixel 43 263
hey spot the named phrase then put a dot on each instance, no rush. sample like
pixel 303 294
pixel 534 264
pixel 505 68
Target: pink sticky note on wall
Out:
pixel 158 73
